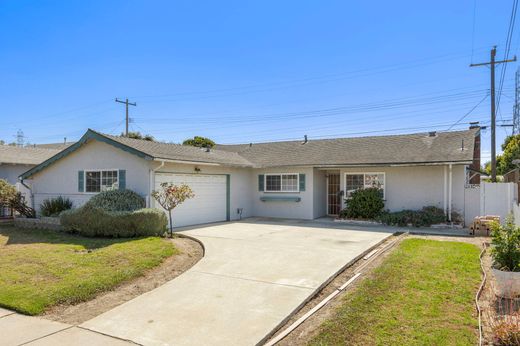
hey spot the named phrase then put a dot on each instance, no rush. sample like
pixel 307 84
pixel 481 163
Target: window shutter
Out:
pixel 260 182
pixel 122 179
pixel 81 180
pixel 302 182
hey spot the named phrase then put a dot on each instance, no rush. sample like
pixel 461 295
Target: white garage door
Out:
pixel 209 204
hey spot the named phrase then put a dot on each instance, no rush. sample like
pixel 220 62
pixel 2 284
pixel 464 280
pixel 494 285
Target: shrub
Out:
pixel 54 206
pixel 364 204
pixel 425 217
pixel 117 200
pixel 14 199
pixel 93 222
pixel 506 246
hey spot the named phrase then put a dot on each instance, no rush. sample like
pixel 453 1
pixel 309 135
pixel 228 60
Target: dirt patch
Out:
pixel 190 253
pixel 310 328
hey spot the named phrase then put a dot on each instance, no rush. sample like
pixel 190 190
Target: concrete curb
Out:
pixel 180 235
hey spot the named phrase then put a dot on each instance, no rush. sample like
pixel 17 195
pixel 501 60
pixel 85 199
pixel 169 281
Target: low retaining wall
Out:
pixel 50 223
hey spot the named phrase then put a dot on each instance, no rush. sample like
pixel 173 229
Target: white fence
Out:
pixel 471 203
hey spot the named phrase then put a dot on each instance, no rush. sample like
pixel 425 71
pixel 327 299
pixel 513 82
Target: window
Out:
pixel 282 182
pixel 97 181
pixel 356 181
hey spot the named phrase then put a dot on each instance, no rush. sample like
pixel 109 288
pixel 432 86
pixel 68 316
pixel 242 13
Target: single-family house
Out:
pixel 303 179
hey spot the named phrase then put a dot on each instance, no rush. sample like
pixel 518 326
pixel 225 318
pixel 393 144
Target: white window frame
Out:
pixel 281 175
pixel 366 173
pixel 101 171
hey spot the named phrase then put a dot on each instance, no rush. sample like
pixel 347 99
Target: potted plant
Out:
pixel 506 258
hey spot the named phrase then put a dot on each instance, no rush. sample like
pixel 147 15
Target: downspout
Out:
pixel 450 184
pixel 444 194
pixel 152 182
pixel 30 192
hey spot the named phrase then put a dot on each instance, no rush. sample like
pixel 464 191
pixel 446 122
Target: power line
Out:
pixel 509 37
pixel 468 113
pixel 473 29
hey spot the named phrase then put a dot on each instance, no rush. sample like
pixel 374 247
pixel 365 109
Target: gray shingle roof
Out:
pixel 418 148
pixel 24 155
pixel 158 150
pixel 395 149
pixel 59 146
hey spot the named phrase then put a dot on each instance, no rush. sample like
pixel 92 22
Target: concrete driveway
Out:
pixel 253 275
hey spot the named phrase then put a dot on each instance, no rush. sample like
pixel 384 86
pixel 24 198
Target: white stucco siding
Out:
pixel 240 184
pixel 320 193
pixel 285 209
pixel 10 172
pixel 413 187
pixel 61 177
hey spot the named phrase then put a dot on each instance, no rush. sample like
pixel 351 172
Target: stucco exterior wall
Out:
pixel 61 178
pixel 11 172
pixel 240 184
pixel 285 209
pixel 320 193
pixel 413 187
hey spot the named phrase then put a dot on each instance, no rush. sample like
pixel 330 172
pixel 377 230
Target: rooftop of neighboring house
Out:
pixel 25 155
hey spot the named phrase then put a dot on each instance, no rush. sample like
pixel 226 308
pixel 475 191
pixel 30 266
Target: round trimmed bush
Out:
pixel 364 204
pixel 117 200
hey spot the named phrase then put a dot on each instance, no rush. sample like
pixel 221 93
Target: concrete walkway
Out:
pixel 253 275
pixel 18 329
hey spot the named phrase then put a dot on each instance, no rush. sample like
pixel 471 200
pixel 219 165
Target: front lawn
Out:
pixel 423 294
pixel 39 269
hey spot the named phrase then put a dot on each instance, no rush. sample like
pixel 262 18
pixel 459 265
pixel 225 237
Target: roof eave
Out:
pixel 90 134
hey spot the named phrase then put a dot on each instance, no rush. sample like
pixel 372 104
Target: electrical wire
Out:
pixel 468 113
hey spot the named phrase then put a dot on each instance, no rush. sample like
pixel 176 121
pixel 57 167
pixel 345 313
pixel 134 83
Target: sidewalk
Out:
pixel 26 330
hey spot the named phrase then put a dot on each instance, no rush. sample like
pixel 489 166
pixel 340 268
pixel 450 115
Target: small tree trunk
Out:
pixel 171 226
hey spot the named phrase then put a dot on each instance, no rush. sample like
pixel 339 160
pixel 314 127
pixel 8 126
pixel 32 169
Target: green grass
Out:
pixel 39 269
pixel 421 295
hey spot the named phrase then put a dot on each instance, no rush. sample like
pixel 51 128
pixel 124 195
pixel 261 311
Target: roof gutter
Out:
pixel 392 164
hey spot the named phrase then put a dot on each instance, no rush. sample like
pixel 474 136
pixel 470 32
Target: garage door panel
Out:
pixel 209 203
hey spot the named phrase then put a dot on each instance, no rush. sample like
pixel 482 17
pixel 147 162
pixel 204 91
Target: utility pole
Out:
pixel 492 64
pixel 126 104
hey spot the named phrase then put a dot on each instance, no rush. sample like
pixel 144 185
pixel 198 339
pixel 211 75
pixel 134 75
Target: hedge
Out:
pixel 96 222
pixel 425 217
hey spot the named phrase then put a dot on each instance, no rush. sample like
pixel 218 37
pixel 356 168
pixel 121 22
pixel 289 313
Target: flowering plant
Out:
pixel 170 196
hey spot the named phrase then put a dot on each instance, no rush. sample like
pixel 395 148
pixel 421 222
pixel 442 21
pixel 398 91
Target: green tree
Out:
pixel 138 135
pixel 198 141
pixel 511 151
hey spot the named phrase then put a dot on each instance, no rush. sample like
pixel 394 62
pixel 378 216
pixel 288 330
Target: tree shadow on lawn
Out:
pixel 19 236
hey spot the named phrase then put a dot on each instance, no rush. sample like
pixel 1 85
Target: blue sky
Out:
pixel 244 71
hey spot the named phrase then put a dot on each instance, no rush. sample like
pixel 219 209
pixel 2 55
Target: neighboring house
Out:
pixel 296 179
pixel 16 160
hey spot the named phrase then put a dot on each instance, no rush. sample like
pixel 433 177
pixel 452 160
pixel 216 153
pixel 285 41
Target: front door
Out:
pixel 333 195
